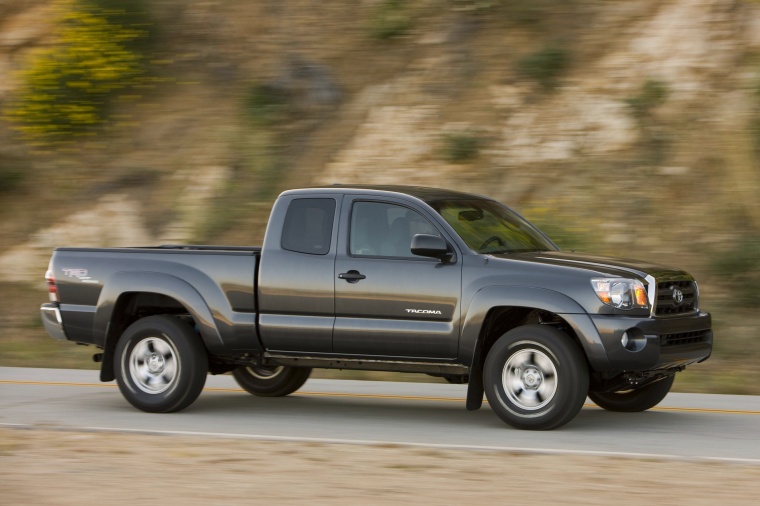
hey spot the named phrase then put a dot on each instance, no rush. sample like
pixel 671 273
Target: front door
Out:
pixel 389 302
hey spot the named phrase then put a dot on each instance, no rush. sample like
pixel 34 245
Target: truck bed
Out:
pixel 89 275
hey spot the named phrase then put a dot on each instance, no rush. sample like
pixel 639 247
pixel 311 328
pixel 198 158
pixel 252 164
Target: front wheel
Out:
pixel 266 381
pixel 632 401
pixel 535 377
pixel 161 364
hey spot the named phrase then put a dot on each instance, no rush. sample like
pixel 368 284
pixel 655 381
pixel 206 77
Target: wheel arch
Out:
pixel 502 319
pixel 494 305
pixel 517 306
pixel 166 294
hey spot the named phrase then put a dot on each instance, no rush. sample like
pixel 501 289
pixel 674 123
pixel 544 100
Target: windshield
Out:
pixel 488 227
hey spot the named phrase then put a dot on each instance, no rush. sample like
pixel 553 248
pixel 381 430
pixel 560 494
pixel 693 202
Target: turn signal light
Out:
pixel 641 296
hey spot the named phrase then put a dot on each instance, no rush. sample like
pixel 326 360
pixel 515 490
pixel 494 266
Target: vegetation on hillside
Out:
pixel 67 87
pixel 545 66
pixel 273 91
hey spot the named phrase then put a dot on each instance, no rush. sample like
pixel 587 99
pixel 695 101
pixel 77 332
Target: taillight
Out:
pixel 52 289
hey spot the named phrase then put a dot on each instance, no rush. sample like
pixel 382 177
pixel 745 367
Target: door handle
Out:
pixel 351 276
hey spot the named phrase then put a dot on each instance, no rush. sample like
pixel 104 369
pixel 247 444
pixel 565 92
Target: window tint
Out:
pixel 379 229
pixel 308 226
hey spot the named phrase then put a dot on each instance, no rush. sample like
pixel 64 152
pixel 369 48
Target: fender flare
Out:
pixel 150 282
pixel 487 298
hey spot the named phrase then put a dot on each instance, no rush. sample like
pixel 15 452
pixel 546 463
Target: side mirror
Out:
pixel 434 246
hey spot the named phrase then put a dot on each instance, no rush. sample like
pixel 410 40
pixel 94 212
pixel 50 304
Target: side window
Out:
pixel 308 226
pixel 379 229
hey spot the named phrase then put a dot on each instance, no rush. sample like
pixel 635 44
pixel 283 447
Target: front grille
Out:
pixel 699 336
pixel 667 301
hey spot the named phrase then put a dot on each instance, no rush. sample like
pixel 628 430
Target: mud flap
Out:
pixel 475 389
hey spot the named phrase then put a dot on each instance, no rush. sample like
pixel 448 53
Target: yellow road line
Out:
pixel 705 410
pixel 55 383
pixel 371 396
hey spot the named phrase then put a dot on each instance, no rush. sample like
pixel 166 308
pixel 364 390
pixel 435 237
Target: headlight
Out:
pixel 621 293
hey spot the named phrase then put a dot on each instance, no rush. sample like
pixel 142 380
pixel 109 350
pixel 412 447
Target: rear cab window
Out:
pixel 308 226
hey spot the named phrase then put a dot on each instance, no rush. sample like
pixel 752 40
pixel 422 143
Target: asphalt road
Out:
pixel 684 426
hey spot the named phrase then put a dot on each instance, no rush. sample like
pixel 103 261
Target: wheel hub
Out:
pixel 529 379
pixel 532 378
pixel 155 363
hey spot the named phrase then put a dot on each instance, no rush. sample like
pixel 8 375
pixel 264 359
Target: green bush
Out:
pixel 655 140
pixel 544 66
pixel 67 87
pixel 652 94
pixel 460 147
pixel 267 104
pixel 390 18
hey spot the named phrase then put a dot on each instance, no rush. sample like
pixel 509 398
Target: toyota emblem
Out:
pixel 677 296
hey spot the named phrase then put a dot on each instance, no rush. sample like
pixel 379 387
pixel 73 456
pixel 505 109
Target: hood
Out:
pixel 605 266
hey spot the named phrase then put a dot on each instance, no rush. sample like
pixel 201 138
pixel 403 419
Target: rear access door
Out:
pixel 296 287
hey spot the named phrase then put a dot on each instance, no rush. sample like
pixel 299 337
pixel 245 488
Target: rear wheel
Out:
pixel 535 377
pixel 631 401
pixel 271 381
pixel 161 364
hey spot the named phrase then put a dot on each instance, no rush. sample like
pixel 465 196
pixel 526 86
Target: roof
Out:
pixel 423 193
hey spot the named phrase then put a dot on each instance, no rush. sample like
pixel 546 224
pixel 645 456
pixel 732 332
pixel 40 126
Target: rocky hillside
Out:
pixel 623 127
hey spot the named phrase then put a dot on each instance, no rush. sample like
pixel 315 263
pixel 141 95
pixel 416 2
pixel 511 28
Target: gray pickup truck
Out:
pixel 391 279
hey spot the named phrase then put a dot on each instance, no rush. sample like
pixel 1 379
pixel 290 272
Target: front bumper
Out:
pixel 654 343
pixel 51 319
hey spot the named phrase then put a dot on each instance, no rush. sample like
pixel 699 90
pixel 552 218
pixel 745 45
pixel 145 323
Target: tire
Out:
pixel 265 381
pixel 536 378
pixel 160 364
pixel 632 401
